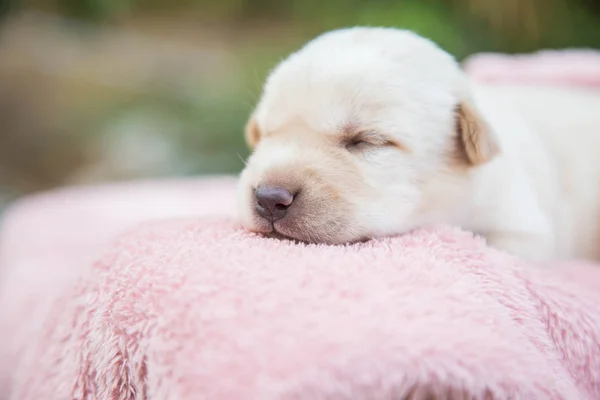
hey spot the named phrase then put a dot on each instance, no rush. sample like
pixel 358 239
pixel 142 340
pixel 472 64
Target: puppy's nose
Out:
pixel 272 202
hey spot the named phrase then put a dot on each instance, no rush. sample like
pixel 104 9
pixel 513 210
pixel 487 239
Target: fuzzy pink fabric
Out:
pixel 47 240
pixel 197 308
pixel 186 307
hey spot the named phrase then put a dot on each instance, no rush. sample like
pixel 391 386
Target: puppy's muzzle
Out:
pixel 273 202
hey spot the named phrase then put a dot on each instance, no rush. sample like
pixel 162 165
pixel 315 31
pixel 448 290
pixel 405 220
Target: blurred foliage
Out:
pixel 461 25
pixel 103 104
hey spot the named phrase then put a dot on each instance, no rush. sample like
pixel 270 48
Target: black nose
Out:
pixel 272 202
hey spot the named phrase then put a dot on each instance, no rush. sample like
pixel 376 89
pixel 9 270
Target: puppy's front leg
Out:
pixel 532 246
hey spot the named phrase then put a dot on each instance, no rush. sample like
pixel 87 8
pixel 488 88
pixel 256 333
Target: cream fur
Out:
pixel 527 177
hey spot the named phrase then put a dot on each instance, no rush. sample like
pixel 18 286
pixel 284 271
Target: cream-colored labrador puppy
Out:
pixel 368 132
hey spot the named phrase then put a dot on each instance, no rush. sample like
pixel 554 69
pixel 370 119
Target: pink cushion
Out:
pixel 195 308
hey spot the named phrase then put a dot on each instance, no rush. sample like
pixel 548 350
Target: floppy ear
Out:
pixel 252 133
pixel 477 141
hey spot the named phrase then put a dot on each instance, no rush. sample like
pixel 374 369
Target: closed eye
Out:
pixel 357 144
pixel 367 140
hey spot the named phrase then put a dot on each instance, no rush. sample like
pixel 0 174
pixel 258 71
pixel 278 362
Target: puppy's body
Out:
pixel 369 132
pixel 550 138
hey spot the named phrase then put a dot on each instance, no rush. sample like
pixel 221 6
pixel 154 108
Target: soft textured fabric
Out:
pixel 47 240
pixel 197 308
pixel 189 308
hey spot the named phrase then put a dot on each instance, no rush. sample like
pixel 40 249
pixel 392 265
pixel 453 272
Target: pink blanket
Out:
pixel 187 307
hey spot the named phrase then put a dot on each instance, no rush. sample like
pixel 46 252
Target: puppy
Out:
pixel 370 132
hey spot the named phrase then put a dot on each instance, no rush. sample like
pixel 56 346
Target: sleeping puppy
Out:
pixel 370 132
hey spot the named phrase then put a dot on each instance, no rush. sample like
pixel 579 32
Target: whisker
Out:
pixel 242 159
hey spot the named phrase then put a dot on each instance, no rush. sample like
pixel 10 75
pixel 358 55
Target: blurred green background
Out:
pixel 98 90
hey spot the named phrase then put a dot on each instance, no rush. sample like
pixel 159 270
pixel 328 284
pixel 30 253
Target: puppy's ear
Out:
pixel 252 133
pixel 477 141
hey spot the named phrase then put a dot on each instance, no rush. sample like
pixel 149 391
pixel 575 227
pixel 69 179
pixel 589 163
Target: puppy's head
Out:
pixel 364 132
